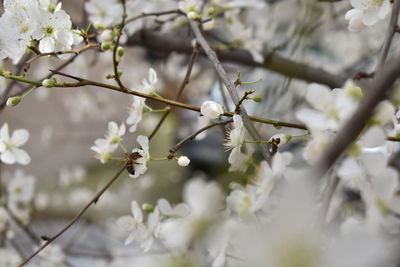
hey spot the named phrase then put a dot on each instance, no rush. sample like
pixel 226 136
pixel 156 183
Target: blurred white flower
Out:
pixel 373 11
pixel 180 210
pixel 9 146
pixel 21 187
pixel 133 224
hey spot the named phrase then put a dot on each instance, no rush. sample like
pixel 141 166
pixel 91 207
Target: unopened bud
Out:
pixel 106 36
pixel 147 207
pixel 13 101
pixel 106 46
pixel 183 161
pixel 257 99
pixel 109 76
pixel 120 51
pixel 211 109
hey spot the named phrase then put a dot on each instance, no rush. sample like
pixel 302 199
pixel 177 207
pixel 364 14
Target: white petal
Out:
pixel 21 156
pixel 152 76
pixel 8 157
pixel 164 206
pixel 143 141
pixel 374 137
pixel 4 135
pixel 19 137
pixel 318 95
pixel 136 211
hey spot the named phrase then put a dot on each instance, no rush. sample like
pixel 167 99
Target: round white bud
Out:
pixel 106 36
pixel 211 109
pixel 183 161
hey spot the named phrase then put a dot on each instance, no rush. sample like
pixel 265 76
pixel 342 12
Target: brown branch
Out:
pixel 381 86
pixel 176 147
pixel 94 200
pixel 76 52
pixel 114 53
pixel 230 86
pixel 353 127
pixel 272 60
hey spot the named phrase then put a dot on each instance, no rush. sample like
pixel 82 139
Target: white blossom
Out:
pixel 9 146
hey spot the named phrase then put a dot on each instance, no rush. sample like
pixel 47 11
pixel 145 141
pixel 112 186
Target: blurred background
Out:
pixel 64 122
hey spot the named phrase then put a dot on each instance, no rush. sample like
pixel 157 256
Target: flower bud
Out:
pixel 183 161
pixel 120 51
pixel 106 36
pixel 48 83
pixel 147 207
pixel 106 46
pixel 211 109
pixel 13 101
pixel 257 99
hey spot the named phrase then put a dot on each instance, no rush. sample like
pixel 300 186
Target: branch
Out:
pixel 357 122
pixel 230 86
pixel 94 200
pixel 176 147
pixel 272 60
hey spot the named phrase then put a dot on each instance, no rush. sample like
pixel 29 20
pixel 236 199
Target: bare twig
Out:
pixel 230 86
pixel 176 147
pixel 94 200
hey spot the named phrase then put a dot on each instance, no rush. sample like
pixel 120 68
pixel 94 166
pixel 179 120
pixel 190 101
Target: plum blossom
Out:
pixel 133 224
pixel 21 187
pixel 180 210
pixel 104 13
pixel 373 11
pixel 105 146
pixel 141 163
pixel 54 32
pixel 9 146
pixel 234 142
pixel 331 108
pixel 138 104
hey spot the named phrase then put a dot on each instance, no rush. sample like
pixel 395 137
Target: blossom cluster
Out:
pixel 33 22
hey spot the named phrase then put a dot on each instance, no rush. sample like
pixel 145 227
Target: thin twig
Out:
pixel 94 200
pixel 176 147
pixel 114 54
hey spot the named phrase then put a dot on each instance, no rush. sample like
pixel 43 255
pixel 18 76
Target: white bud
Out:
pixel 106 36
pixel 211 109
pixel 183 161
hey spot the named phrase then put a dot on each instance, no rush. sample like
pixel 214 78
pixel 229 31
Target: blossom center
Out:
pixel 49 30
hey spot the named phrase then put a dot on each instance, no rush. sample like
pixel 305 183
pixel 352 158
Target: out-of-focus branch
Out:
pixel 94 200
pixel 272 60
pixel 356 123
